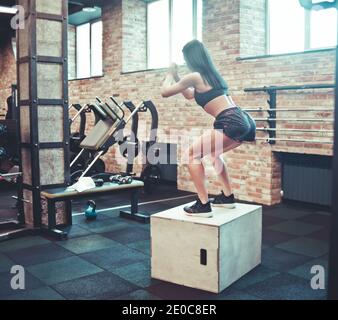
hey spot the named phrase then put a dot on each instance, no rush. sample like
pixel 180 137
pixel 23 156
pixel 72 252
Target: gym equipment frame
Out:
pixel 33 146
pixel 270 140
pixel 102 136
pixel 272 111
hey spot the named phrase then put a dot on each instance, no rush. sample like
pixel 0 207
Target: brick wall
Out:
pixel 252 26
pixel 309 68
pixel 254 168
pixel 134 35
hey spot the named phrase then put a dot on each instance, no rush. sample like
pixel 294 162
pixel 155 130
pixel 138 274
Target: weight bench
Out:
pixel 53 196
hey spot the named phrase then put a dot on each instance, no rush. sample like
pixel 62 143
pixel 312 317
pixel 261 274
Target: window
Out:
pixel 291 28
pixel 96 49
pixel 324 28
pixel 170 25
pixel 89 50
pixel 158 34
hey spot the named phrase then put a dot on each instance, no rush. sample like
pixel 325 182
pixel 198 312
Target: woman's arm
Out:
pixel 174 85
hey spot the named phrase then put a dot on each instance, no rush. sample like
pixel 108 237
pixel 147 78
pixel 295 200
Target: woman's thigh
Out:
pixel 213 142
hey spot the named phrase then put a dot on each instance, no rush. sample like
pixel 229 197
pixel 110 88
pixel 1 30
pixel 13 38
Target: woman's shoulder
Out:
pixel 197 76
pixel 194 78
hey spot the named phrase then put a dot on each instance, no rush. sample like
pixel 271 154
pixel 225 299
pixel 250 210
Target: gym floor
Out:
pixel 109 258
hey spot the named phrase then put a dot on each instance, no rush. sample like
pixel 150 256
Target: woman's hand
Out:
pixel 173 70
pixel 168 81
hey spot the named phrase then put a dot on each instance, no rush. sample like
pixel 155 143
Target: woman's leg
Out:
pixel 211 143
pixel 220 167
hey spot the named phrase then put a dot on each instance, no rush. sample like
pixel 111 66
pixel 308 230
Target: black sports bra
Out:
pixel 203 98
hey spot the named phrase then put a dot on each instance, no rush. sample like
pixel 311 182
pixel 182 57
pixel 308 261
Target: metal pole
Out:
pixel 272 114
pixel 78 113
pixel 294 120
pixel 11 175
pixel 98 156
pixel 294 130
pixel 135 111
pixel 285 109
pixel 77 157
pixel 269 140
pixel 280 88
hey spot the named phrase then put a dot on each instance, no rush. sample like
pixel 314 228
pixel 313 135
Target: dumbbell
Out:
pixel 119 179
pixel 127 180
pixel 99 182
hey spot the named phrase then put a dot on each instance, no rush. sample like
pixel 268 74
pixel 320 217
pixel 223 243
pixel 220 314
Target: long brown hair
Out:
pixel 199 60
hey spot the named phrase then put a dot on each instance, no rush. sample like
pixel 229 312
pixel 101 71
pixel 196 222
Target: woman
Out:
pixel 231 128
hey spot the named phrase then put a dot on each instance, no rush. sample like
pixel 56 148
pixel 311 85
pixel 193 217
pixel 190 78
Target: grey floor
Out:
pixel 110 258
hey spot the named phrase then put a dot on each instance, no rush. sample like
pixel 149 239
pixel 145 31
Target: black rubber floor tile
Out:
pixel 163 191
pixel 285 287
pixel 94 286
pixel 235 295
pixel 176 202
pixel 5 263
pixel 265 246
pixel 132 223
pixel 155 207
pixel 295 228
pixel 83 222
pixel 286 212
pixel 22 243
pixel 87 244
pixel 271 220
pixel 282 261
pixel 113 213
pixel 145 226
pixel 8 213
pixel 115 257
pixel 105 226
pixel 170 291
pixel 63 270
pixel 6 290
pixel 259 274
pixel 76 231
pixel 128 235
pixel 137 295
pixel 39 254
pixel 142 246
pixel 323 213
pixel 305 246
pixel 271 237
pixel 323 234
pixel 44 293
pixel 304 271
pixel 317 219
pixel 139 274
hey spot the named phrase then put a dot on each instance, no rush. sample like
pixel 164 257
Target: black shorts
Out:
pixel 236 124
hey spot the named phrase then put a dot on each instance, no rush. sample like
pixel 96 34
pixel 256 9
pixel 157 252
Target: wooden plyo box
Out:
pixel 207 254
